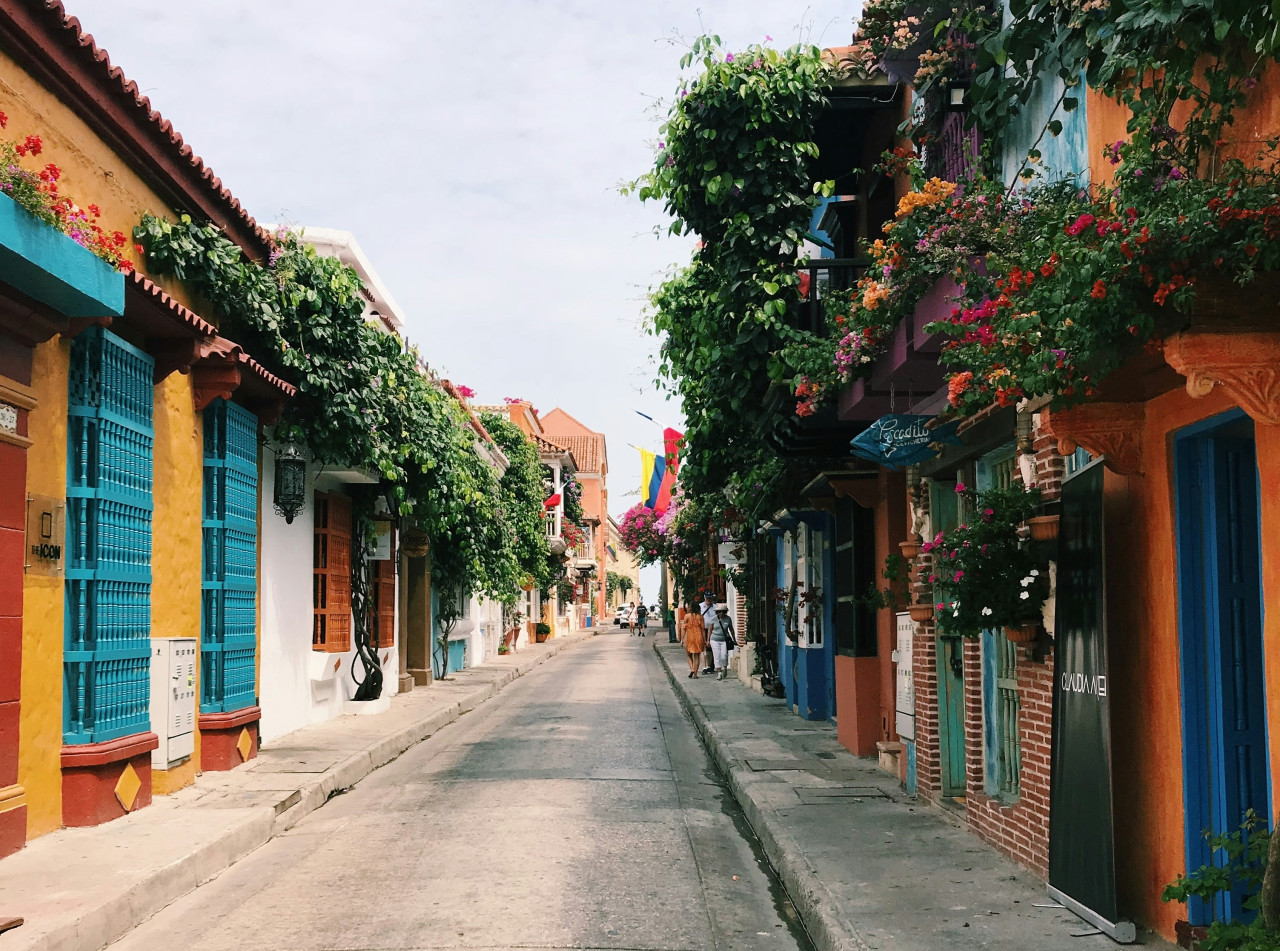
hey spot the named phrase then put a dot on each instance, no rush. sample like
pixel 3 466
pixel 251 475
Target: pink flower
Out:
pixel 958 576
pixel 465 392
pixel 960 487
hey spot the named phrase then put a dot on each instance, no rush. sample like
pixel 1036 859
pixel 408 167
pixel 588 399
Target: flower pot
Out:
pixel 1028 633
pixel 541 637
pixel 1044 528
pixel 910 548
pixel 921 613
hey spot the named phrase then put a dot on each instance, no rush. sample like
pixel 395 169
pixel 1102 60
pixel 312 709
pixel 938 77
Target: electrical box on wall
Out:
pixel 173 699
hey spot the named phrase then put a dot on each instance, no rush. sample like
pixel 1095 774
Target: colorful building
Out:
pixel 1153 669
pixel 130 559
pixel 589 451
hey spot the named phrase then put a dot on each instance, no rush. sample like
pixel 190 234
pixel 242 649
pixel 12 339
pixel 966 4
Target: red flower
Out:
pixel 1099 291
pixel 31 144
pixel 4 120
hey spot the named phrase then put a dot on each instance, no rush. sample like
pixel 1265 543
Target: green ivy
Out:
pixel 522 496
pixel 735 167
pixel 362 400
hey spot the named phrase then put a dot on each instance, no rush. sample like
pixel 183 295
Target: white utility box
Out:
pixel 905 721
pixel 173 699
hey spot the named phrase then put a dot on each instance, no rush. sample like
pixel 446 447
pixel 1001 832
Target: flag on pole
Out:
pixel 647 462
pixel 656 480
pixel 672 441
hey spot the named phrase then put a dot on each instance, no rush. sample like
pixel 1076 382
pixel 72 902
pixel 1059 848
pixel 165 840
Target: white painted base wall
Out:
pixel 299 686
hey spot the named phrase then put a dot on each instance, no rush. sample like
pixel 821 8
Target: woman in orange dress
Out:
pixel 693 632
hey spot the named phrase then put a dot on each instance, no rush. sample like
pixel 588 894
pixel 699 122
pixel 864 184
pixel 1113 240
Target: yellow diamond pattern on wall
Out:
pixel 127 787
pixel 245 744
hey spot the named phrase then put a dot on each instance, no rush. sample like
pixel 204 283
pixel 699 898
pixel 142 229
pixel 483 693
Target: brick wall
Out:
pixel 1019 830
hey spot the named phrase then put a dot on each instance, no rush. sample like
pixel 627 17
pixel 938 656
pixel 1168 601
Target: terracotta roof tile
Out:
pixel 585 449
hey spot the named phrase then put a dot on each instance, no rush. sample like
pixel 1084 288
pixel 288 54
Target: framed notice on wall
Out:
pixel 46 536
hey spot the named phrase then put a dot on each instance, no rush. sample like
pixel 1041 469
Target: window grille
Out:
pixel 107 629
pixel 1007 751
pixel 1001 703
pixel 228 622
pixel 331 591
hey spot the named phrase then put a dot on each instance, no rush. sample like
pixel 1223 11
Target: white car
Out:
pixel 621 614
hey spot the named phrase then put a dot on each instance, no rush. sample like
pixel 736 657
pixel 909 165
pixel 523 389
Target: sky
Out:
pixel 475 151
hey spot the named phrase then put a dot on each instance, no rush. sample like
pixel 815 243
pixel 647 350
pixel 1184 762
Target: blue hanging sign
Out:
pixel 899 440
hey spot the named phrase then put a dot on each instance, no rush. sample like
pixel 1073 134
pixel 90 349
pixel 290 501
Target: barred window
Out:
pixel 331 590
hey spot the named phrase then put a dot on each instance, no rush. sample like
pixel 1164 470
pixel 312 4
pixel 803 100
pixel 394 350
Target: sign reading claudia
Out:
pixel 45 536
pixel 899 440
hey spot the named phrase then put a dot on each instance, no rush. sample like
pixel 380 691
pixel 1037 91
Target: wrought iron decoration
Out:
pixel 290 492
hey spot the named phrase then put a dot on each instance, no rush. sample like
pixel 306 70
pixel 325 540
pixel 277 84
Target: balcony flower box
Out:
pixel 937 304
pixel 50 267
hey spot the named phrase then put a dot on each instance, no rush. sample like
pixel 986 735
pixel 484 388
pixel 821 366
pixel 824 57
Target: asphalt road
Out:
pixel 577 809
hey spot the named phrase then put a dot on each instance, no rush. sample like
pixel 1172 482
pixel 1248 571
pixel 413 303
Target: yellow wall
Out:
pixel 40 721
pixel 176 543
pixel 91 172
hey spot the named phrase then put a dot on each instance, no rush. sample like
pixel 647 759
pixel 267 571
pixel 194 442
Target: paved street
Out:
pixel 575 810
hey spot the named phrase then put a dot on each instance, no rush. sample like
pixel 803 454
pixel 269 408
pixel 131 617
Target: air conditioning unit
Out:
pixel 173 699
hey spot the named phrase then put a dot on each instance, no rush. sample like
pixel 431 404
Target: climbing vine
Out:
pixel 735 167
pixel 362 400
pixel 522 495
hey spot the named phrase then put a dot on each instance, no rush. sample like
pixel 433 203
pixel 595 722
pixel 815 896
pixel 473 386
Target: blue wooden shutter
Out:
pixel 107 629
pixel 228 641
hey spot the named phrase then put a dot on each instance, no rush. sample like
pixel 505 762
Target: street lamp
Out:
pixel 290 492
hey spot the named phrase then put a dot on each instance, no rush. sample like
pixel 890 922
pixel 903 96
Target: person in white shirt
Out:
pixel 708 618
pixel 721 637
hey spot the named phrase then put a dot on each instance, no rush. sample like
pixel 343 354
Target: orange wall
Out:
pixel 1142 610
pixel 1254 124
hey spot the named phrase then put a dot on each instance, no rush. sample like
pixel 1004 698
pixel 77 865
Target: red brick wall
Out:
pixel 1020 830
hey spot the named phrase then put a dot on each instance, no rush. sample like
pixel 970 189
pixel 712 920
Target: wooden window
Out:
pixel 331 589
pixel 382 600
pixel 1001 740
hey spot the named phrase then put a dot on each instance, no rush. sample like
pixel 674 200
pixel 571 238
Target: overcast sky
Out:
pixel 474 150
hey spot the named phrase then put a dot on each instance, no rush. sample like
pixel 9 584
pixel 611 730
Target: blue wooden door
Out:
pixel 1226 769
pixel 107 629
pixel 228 625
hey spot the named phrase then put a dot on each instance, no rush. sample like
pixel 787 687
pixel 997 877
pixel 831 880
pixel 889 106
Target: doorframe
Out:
pixel 1198 694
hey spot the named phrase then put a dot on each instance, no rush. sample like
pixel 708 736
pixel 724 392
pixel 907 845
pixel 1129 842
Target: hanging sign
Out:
pixel 900 440
pixel 380 549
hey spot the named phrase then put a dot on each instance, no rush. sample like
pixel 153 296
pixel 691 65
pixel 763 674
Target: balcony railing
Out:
pixel 819 279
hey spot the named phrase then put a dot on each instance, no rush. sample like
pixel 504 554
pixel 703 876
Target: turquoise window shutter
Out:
pixel 107 624
pixel 228 628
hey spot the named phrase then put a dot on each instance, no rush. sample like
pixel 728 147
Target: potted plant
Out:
pixel 921 613
pixel 986 576
pixel 542 631
pixel 1044 528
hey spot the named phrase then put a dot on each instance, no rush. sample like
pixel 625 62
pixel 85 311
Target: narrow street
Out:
pixel 575 810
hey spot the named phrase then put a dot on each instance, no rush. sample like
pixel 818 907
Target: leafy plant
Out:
pixel 362 400
pixel 39 194
pixel 1239 861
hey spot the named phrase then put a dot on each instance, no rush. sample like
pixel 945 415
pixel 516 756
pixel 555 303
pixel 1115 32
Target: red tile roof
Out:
pixel 585 449
pixel 50 45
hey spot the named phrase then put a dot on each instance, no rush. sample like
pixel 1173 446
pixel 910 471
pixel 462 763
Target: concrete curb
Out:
pixel 815 904
pixel 162 886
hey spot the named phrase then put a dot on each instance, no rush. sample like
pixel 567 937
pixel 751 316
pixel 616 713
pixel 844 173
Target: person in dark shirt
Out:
pixel 642 619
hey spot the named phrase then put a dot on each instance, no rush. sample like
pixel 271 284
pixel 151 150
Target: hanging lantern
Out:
pixel 291 482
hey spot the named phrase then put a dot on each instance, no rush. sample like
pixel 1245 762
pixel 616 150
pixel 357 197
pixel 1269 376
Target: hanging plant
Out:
pixel 985 575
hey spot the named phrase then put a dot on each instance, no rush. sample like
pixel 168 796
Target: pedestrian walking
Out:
pixel 631 618
pixel 693 633
pixel 642 619
pixel 708 611
pixel 722 640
